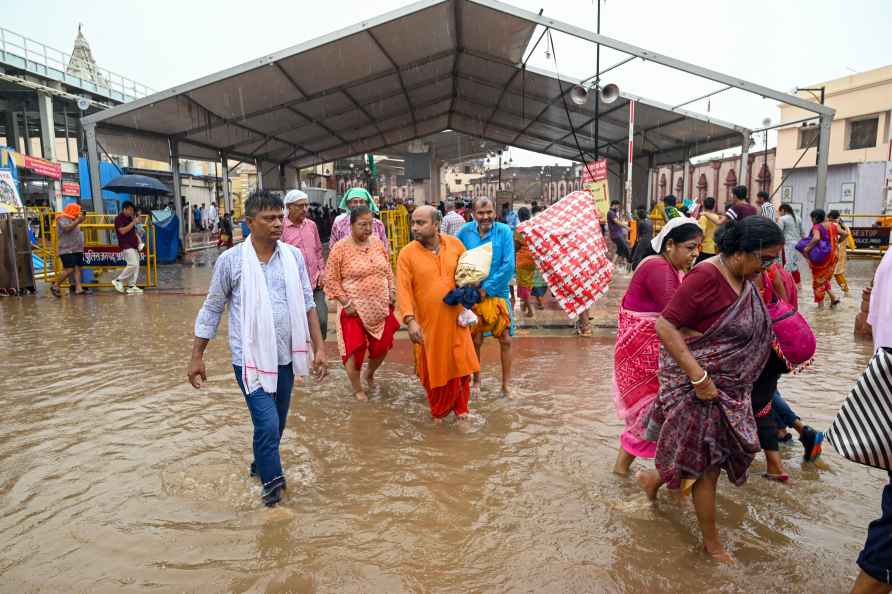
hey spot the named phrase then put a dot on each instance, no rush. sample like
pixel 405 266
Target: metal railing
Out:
pixel 38 58
pixel 96 229
pixel 396 222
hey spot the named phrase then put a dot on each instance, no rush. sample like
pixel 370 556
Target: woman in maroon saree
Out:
pixel 716 336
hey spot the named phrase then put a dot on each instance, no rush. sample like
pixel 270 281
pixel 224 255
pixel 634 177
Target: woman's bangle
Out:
pixel 701 380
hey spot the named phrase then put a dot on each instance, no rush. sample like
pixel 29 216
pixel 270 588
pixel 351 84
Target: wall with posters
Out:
pixel 856 187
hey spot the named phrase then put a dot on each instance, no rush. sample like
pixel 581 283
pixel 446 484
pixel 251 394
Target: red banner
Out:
pixel 44 167
pixel 71 189
pixel 594 171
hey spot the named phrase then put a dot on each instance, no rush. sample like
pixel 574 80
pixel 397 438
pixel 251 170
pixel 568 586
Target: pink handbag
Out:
pixel 794 341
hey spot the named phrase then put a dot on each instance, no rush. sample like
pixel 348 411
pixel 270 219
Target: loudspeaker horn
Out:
pixel 609 93
pixel 579 95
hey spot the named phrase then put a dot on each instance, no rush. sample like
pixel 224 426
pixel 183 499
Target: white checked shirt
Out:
pixel 452 222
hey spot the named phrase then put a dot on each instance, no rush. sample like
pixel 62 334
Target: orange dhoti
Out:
pixel 450 398
pixel 446 360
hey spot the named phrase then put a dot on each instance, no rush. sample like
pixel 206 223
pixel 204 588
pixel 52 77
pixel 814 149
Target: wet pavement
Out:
pixel 119 477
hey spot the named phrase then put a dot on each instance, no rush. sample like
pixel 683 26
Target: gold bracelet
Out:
pixel 701 380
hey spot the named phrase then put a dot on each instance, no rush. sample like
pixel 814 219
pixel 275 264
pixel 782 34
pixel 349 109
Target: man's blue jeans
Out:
pixel 269 412
pixel 783 414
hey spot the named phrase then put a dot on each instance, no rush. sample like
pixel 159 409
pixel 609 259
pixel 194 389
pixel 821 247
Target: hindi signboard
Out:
pixel 107 255
pixel 601 197
pixel 594 171
pixel 71 189
pixel 43 167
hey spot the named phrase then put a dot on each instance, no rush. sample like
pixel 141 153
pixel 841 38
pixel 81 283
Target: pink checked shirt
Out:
pixel 305 237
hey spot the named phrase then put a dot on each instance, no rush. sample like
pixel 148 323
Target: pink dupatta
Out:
pixel 636 362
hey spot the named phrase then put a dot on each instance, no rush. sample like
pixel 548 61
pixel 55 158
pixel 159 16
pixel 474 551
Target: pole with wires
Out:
pixel 597 78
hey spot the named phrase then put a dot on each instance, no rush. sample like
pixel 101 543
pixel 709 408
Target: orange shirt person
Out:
pixel 444 352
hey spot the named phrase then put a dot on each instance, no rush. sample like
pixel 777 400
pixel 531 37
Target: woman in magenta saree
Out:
pixel 636 357
pixel 716 335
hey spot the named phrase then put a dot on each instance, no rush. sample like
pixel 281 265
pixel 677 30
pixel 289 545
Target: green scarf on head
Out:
pixel 358 193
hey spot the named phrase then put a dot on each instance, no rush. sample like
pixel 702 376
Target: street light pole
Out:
pixel 500 170
pixel 812 90
pixel 597 80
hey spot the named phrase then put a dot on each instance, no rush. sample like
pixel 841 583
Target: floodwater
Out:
pixel 117 476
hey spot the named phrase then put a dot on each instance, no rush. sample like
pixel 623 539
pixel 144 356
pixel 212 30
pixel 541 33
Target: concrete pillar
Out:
pixel 174 149
pixel 823 160
pixel 227 193
pixel 93 166
pixel 436 194
pixel 685 175
pixel 26 131
pixel 13 131
pixel 291 179
pixel 48 145
pixel 744 177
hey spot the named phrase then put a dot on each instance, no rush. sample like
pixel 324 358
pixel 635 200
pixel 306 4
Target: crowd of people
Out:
pixel 708 326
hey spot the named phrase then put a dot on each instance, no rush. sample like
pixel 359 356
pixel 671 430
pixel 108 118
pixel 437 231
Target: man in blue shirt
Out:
pixel 509 217
pixel 481 230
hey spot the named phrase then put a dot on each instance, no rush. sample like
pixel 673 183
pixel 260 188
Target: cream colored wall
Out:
pixel 853 96
pixel 449 179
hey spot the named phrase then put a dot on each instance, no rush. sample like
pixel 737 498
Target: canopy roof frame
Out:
pixel 404 95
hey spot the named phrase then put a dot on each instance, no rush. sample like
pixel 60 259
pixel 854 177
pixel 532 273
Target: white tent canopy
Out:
pixel 433 66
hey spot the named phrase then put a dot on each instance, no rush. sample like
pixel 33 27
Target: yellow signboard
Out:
pixel 600 195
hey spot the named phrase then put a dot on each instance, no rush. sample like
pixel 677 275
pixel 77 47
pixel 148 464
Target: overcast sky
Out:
pixel 778 43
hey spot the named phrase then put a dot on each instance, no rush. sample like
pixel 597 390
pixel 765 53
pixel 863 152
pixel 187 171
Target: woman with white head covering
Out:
pixel 636 356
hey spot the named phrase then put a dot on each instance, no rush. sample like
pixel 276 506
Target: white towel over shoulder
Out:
pixel 261 361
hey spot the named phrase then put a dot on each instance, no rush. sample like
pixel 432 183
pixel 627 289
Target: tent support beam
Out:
pixel 177 190
pixel 650 56
pixel 93 165
pixel 823 160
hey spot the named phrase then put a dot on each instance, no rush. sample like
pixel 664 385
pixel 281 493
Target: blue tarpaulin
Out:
pixel 167 237
pixel 107 172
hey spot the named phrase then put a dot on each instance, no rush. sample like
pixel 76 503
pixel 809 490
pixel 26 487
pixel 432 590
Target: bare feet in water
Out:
pixel 361 396
pixel 506 393
pixel 623 463
pixel 718 552
pixel 369 380
pixel 650 482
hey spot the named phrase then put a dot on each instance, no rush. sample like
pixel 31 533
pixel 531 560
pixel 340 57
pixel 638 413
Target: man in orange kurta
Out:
pixel 444 352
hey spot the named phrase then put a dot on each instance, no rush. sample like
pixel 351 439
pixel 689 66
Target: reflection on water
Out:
pixel 118 476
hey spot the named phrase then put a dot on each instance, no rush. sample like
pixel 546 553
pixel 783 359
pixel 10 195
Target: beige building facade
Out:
pixel 859 174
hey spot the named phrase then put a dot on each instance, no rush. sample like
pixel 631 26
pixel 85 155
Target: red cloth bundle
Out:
pixel 570 251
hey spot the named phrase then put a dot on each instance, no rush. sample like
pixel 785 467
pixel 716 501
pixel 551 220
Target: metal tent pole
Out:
pixel 93 167
pixel 823 160
pixel 174 150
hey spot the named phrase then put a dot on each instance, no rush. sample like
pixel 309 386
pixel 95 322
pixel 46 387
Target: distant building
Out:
pixel 860 173
pixel 714 177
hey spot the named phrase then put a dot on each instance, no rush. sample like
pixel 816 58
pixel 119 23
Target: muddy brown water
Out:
pixel 117 476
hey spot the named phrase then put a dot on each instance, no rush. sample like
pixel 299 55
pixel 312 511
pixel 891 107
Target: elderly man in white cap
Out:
pixel 301 232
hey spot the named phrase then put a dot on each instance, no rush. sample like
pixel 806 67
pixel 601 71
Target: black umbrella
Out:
pixel 142 185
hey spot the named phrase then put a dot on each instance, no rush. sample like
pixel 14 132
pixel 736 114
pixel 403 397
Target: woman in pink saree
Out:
pixel 636 356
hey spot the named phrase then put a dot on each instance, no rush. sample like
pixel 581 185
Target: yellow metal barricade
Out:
pixel 100 255
pixel 396 222
pixel 42 221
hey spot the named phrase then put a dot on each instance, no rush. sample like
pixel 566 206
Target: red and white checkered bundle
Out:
pixel 570 251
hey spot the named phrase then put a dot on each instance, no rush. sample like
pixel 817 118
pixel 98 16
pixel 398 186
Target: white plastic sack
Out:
pixel 473 266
